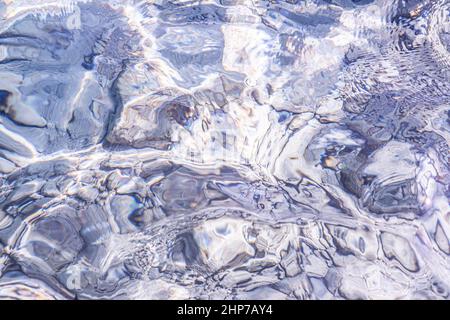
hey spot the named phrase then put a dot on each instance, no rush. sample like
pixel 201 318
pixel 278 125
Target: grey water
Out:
pixel 224 149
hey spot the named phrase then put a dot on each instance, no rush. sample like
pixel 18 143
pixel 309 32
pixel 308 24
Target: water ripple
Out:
pixel 228 149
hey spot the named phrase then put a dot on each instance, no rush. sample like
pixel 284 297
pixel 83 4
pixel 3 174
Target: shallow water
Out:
pixel 230 149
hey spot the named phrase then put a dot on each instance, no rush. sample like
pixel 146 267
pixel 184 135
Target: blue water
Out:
pixel 232 149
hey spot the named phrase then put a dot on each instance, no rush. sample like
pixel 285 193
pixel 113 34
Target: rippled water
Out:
pixel 228 149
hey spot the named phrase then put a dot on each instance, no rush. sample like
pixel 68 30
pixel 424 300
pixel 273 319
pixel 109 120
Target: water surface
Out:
pixel 228 149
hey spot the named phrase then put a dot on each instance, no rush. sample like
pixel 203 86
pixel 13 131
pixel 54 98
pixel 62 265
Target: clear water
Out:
pixel 228 149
